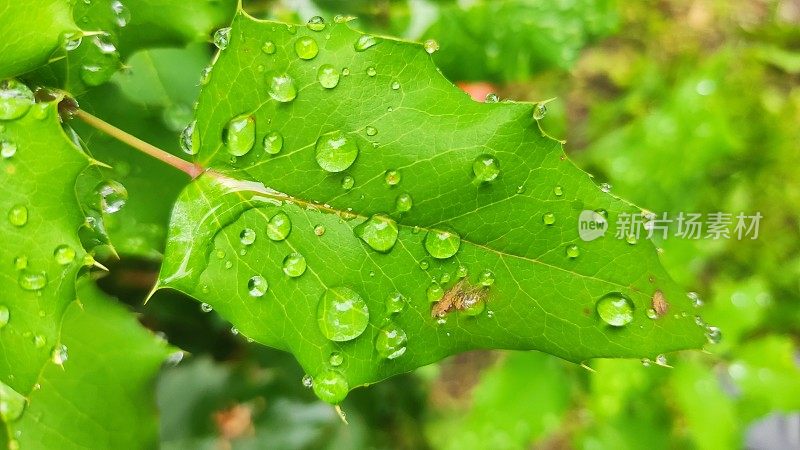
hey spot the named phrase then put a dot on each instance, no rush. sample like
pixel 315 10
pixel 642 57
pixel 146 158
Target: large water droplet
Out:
pixel 306 47
pixel 15 99
pixel 257 286
pixel 18 215
pixel 539 111
pixel 239 135
pixel 615 309
pixel 379 232
pixel 222 37
pixel 71 40
pixel 316 23
pixel 279 227
pixel 64 254
pixel 190 141
pixel 113 196
pixel 395 303
pixel 331 387
pixel 294 264
pixel 364 42
pixel 12 403
pixel 486 168
pixel 404 202
pixel 5 315
pixel 391 342
pixel 335 151
pixel 282 88
pixel 32 281
pixel 442 244
pixel 7 149
pixel 273 143
pixel 328 76
pixel 342 315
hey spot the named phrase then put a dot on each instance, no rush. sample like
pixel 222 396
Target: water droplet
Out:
pixel 113 196
pixel 558 191
pixel 631 239
pixel 247 236
pixel 20 262
pixel 539 111
pixel 18 215
pixel 32 281
pixel 328 76
pixel 190 141
pixel 71 41
pixel 319 230
pixel 434 292
pixel 646 362
pixel 345 71
pixel 206 308
pixel 273 143
pixel 257 286
pixel 331 387
pixel 7 149
pixel 379 232
pixel 316 23
pixel 306 48
pixel 651 313
pixel 486 278
pixel 364 42
pixel 5 315
pixel 269 47
pixel 714 335
pixel 392 177
pixel 486 168
pixel 442 244
pixel 239 135
pixel 573 251
pixel 395 303
pixel 282 88
pixel 371 131
pixel 15 99
pixel 222 37
pixel 64 254
pixel 59 354
pixel 424 264
pixel 404 202
pixel 462 272
pixel 391 342
pixel 348 182
pixel 335 359
pixel 615 309
pixel 695 298
pixel 395 85
pixel 291 29
pixel 294 264
pixel 12 405
pixel 371 71
pixel 39 341
pixel 661 360
pixel 335 152
pixel 342 314
pixel 279 227
pixel 605 187
pixel 431 46
pixel 491 98
pixel 548 218
pixel 122 14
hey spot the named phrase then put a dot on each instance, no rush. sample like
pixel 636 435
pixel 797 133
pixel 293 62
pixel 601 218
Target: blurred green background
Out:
pixel 680 105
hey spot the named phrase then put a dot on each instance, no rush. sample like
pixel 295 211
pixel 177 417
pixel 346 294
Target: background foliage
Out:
pixel 680 105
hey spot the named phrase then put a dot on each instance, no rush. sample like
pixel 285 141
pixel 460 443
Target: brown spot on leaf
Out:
pixel 659 303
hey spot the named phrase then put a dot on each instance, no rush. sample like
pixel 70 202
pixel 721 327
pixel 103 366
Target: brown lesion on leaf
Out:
pixel 659 303
pixel 459 297
pixel 233 423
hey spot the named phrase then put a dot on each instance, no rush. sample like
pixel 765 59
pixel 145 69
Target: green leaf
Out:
pixel 234 229
pixel 102 396
pixel 32 33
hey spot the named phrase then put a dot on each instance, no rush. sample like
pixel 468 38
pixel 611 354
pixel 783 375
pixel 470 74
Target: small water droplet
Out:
pixel 651 313
pixel 548 218
pixel 279 227
pixel 257 286
pixel 206 308
pixel 15 99
pixel 395 303
pixel 434 292
pixel 316 23
pixel 695 298
pixel 273 143
pixel 190 141
pixel 7 149
pixel 59 354
pixel 282 88
pixel 462 272
pixel 32 281
pixel 615 309
pixel 294 265
pixel 661 360
pixel 491 98
pixel 64 254
pixel 431 46
pixel 247 236
pixel 5 315
pixel 404 202
pixel 558 191
pixel 122 15
pixel 112 194
pixel 327 76
pixel 306 47
pixel 605 187
pixel 364 42
pixel 319 230
pixel 71 40
pixel 345 71
pixel 391 342
pixel 269 47
pixel 395 85
pixel 424 264
pixel 222 37
pixel 486 168
pixel 539 111
pixel 442 244
pixel 486 278
pixel 714 335
pixel 331 387
pixel 335 359
pixel 371 131
pixel 379 232
pixel 631 239
pixel 348 182
pixel 392 177
pixel 342 315
pixel 646 362
pixel 239 135
pixel 335 151
pixel 371 71
pixel 18 215
pixel 573 251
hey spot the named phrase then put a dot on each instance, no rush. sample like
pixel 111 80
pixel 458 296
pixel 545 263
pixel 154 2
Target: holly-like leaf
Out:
pixel 364 214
